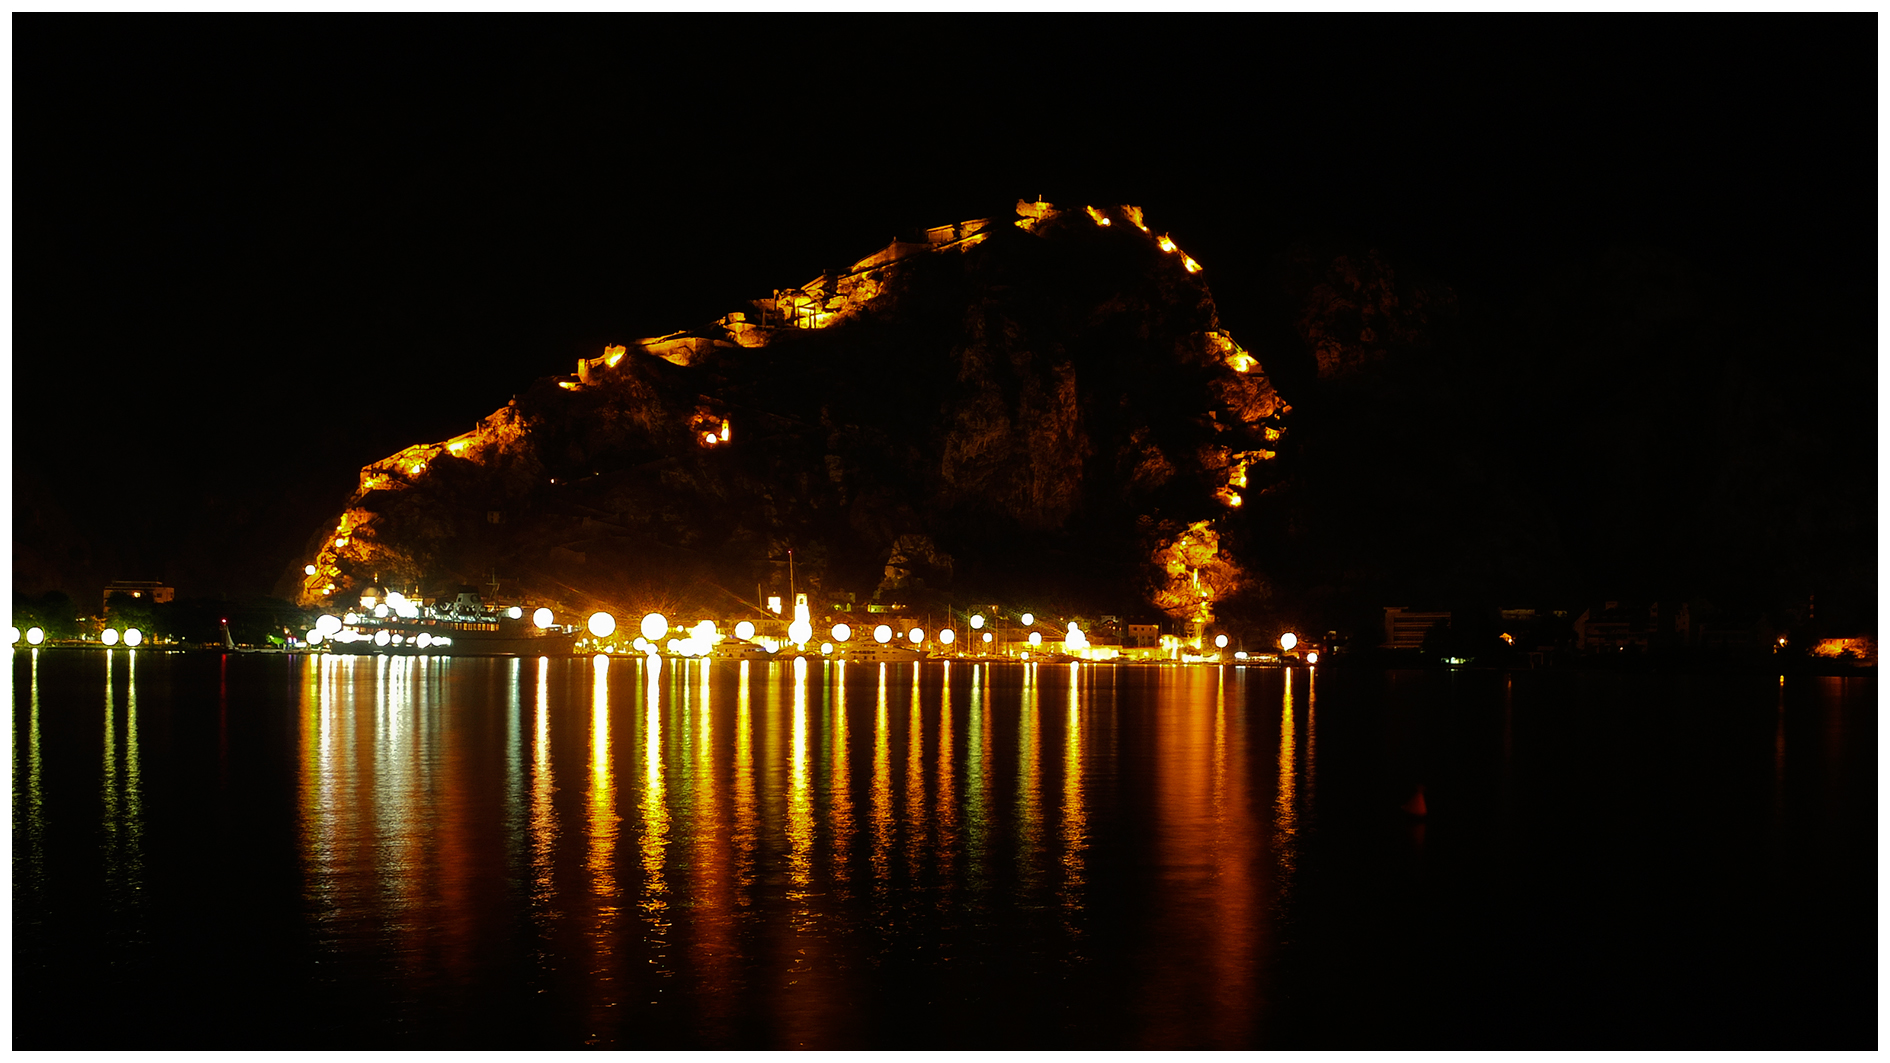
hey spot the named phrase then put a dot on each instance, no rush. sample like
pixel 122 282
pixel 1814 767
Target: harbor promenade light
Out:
pixel 654 626
pixel 308 570
pixel 515 612
pixel 842 632
pixel 987 637
pixel 977 621
pixel 541 618
pixel 1220 642
pixel 382 638
pixel 109 636
pixel 1312 657
pixel 314 636
pixel 1028 619
pixel 1288 641
pixel 917 635
pixel 882 634
pixel 602 624
pixel 424 640
pixel 1036 638
pixel 826 649
pixel 328 623
pixel 745 630
pixel 947 637
pixel 34 636
pixel 133 636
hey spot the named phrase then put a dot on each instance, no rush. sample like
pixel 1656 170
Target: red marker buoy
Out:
pixel 1415 806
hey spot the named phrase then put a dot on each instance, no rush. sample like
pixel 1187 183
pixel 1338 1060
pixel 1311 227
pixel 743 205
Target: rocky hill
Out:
pixel 1041 409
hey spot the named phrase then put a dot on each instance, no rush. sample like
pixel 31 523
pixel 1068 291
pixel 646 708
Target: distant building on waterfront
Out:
pixel 146 590
pixel 1405 628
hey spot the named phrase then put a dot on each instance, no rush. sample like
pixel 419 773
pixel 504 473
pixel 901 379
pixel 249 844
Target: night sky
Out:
pixel 252 255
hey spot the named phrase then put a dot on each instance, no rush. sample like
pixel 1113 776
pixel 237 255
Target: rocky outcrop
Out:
pixel 1048 407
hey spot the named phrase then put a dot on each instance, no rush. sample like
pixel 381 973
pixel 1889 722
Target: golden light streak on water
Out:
pixel 134 785
pixel 1312 706
pixel 1285 813
pixel 715 950
pixel 977 780
pixel 35 794
pixel 1029 785
pixel 800 812
pixel 1075 819
pixel 946 802
pixel 655 840
pixel 840 781
pixel 915 780
pixel 544 828
pixel 601 797
pixel 882 791
pixel 744 831
pixel 110 773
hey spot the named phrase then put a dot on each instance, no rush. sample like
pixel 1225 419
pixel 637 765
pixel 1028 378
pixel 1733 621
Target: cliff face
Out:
pixel 1042 408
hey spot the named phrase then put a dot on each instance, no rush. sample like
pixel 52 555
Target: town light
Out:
pixel 328 623
pixel 987 636
pixel 308 570
pixel 947 637
pixel 977 621
pixel 515 612
pixel 1036 639
pixel 1028 619
pixel 1312 657
pixel 109 636
pixel 842 632
pixel 826 649
pixel 350 618
pixel 882 634
pixel 314 636
pixel 1288 641
pixel 800 631
pixel 602 624
pixel 424 640
pixel 133 636
pixel 382 638
pixel 541 617
pixel 917 635
pixel 745 630
pixel 34 636
pixel 654 625
pixel 1220 641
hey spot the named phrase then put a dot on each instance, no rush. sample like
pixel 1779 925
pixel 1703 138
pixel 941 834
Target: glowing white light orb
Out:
pixel 1240 655
pixel 917 635
pixel 34 636
pixel 987 636
pixel 882 634
pixel 1036 639
pixel 842 632
pixel 977 621
pixel 947 637
pixel 1288 641
pixel 380 610
pixel 654 625
pixel 1312 657
pixel 424 640
pixel 382 638
pixel 745 630
pixel 328 623
pixel 799 632
pixel 1028 619
pixel 541 617
pixel 109 636
pixel 602 624
pixel 133 636
pixel 641 645
pixel 350 618
pixel 671 645
pixel 515 612
pixel 826 649
pixel 308 570
pixel 1221 641
pixel 13 634
pixel 314 636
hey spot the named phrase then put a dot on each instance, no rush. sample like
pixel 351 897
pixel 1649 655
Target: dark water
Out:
pixel 351 852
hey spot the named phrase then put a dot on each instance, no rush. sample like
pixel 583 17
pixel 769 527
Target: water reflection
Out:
pixel 882 791
pixel 600 862
pixel 915 782
pixel 1029 815
pixel 840 781
pixel 946 813
pixel 544 828
pixel 1075 822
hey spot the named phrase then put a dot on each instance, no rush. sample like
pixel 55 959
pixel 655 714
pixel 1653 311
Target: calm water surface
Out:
pixel 215 851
